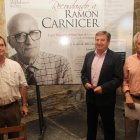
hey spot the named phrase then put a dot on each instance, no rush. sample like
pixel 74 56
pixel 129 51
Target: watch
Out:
pixel 25 104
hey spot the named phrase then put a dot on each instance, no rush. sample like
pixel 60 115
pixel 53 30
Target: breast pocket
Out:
pixel 14 79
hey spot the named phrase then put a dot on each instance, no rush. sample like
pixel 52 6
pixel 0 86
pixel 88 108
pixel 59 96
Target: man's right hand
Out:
pixel 88 86
pixel 24 110
pixel 129 101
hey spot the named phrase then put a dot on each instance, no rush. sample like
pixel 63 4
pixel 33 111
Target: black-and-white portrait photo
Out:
pixel 40 68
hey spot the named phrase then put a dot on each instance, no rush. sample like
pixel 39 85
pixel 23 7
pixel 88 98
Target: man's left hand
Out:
pixel 24 111
pixel 98 90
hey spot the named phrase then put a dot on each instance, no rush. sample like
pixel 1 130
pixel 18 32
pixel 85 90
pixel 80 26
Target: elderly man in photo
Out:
pixel 102 74
pixel 13 85
pixel 131 88
pixel 39 67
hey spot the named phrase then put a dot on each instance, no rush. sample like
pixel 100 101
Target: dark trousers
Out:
pixel 10 116
pixel 107 116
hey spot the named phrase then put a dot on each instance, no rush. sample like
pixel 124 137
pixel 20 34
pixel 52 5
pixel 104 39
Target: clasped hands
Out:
pixel 97 90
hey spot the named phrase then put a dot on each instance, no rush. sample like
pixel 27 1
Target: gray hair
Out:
pixel 108 35
pixel 136 37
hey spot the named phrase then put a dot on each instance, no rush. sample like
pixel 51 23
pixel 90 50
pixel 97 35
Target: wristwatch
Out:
pixel 25 104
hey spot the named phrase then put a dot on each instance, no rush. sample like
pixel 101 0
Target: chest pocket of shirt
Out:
pixel 14 78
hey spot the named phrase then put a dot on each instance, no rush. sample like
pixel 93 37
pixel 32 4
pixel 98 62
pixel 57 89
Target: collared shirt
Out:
pixel 132 75
pixel 96 68
pixel 11 78
pixel 48 69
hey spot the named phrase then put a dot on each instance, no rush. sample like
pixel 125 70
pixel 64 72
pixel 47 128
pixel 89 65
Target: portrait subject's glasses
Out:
pixel 22 37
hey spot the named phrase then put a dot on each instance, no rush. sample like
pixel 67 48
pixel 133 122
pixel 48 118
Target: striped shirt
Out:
pixel 132 75
pixel 11 78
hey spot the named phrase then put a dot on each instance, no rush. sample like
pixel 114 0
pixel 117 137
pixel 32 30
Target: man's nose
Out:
pixel 29 40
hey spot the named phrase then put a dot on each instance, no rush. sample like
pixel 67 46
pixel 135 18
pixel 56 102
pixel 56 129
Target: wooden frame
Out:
pixel 15 129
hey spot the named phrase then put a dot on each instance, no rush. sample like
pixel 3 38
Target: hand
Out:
pixel 88 86
pixel 130 102
pixel 98 90
pixel 24 111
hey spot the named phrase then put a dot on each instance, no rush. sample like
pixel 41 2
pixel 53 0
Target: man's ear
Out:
pixel 9 41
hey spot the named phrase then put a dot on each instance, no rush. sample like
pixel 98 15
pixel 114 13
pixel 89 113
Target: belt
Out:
pixel 7 106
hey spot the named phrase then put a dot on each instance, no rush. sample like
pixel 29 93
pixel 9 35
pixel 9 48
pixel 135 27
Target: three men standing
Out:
pixel 101 75
pixel 13 85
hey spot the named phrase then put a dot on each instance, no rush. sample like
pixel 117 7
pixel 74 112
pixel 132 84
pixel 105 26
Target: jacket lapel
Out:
pixel 90 62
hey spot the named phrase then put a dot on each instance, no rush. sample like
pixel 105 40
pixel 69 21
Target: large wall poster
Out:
pixel 68 30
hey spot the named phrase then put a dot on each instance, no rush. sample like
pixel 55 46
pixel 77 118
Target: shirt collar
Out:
pixel 25 66
pixel 4 62
pixel 137 55
pixel 104 53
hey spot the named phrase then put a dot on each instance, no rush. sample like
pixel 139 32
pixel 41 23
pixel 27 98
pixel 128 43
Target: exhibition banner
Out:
pixel 50 38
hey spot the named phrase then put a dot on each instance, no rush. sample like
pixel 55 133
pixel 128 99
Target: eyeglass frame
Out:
pixel 8 37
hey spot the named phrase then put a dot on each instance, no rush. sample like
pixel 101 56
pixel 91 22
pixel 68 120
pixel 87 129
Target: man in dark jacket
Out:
pixel 101 75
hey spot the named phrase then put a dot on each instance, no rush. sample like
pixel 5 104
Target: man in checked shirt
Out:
pixel 12 86
pixel 131 88
pixel 39 67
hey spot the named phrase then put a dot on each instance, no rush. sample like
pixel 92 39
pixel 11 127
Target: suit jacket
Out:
pixel 111 77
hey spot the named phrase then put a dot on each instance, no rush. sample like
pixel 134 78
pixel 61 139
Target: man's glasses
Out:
pixel 22 37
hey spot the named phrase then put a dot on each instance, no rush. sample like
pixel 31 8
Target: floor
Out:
pixel 72 125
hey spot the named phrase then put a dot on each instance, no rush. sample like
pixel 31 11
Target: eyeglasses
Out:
pixel 22 37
